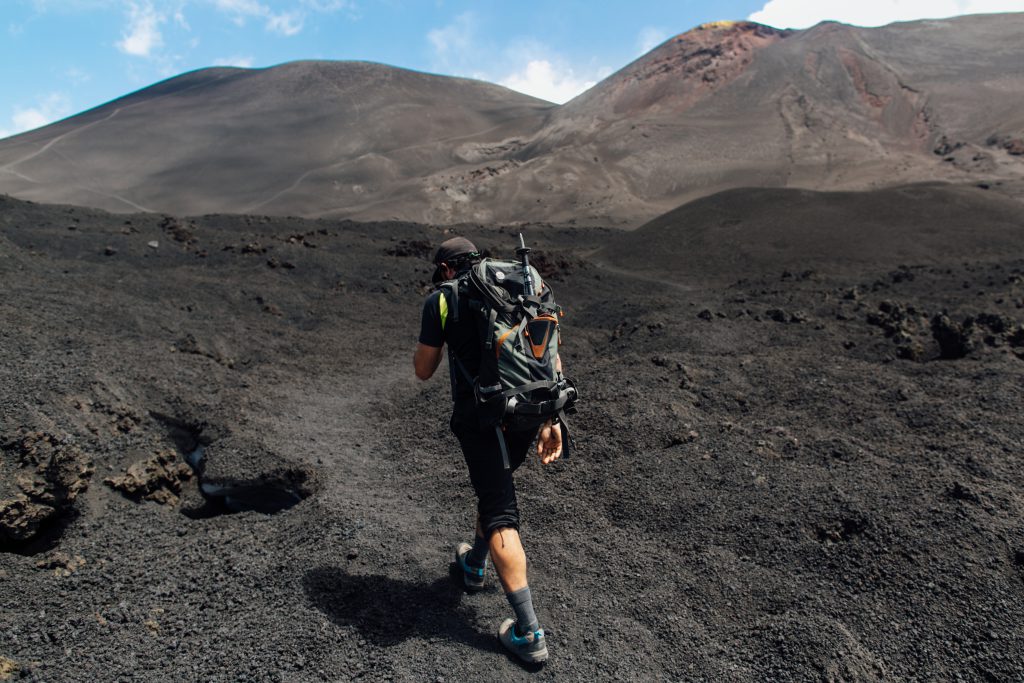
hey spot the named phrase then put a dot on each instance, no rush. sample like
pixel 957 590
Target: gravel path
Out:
pixel 779 478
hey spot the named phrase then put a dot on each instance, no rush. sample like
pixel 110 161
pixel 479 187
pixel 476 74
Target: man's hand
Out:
pixel 549 444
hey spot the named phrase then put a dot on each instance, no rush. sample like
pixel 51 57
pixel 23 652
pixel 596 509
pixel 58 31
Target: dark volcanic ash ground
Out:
pixel 784 473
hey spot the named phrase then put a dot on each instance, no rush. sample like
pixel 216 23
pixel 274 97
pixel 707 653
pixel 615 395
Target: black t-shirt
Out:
pixel 438 327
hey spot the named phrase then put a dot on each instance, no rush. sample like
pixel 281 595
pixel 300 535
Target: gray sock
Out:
pixel 477 557
pixel 522 603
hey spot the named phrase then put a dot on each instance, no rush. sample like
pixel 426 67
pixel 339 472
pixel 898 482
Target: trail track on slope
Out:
pixel 778 476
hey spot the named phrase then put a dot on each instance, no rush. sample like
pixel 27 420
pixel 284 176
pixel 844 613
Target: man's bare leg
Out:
pixel 522 635
pixel 509 559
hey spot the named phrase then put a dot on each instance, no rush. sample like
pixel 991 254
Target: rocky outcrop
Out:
pixel 920 337
pixel 1012 145
pixel 8 667
pixel 902 324
pixel 158 479
pixel 44 475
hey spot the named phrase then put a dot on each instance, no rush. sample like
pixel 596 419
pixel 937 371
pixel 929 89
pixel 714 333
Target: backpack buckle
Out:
pixel 491 404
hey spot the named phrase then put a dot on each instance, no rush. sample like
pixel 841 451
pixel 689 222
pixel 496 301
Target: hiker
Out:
pixel 458 313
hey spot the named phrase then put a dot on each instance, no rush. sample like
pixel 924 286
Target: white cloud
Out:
pixel 455 41
pixel 48 109
pixel 286 23
pixel 650 38
pixel 802 13
pixel 180 20
pixel 522 64
pixel 78 76
pixel 242 8
pixel 71 5
pixel 235 60
pixel 142 34
pixel 542 79
pixel 327 6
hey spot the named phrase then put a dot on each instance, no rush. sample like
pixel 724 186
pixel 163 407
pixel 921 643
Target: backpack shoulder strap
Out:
pixel 450 292
pixel 450 303
pixel 452 358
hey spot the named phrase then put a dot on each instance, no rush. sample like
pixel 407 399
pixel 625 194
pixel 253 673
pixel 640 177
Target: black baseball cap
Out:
pixel 449 251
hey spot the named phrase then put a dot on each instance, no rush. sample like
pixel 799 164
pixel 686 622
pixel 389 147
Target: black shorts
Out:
pixel 495 490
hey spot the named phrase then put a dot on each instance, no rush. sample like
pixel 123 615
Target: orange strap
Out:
pixel 502 338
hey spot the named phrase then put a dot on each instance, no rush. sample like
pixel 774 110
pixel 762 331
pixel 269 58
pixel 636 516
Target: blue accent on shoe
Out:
pixel 519 641
pixel 471 570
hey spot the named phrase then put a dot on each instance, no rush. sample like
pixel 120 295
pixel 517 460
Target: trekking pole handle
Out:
pixel 523 253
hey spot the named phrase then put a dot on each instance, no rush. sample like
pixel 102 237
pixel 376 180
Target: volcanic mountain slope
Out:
pixel 832 107
pixel 731 104
pixel 786 477
pixel 302 138
pixel 757 230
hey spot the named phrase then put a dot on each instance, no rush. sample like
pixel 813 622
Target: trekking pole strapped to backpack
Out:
pixel 519 386
pixel 523 252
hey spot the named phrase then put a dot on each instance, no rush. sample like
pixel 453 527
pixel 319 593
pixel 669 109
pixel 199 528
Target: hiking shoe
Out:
pixel 472 577
pixel 531 648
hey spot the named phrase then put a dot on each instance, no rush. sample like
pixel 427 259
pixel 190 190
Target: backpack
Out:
pixel 519 386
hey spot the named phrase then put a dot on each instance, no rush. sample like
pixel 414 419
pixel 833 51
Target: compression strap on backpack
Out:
pixel 546 408
pixel 532 386
pixel 491 318
pixel 503 446
pixel 568 443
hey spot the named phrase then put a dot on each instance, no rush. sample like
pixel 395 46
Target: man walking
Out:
pixel 497 522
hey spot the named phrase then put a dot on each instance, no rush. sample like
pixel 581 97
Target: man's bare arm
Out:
pixel 426 360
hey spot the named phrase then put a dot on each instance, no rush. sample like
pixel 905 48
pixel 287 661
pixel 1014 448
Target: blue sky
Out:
pixel 60 57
